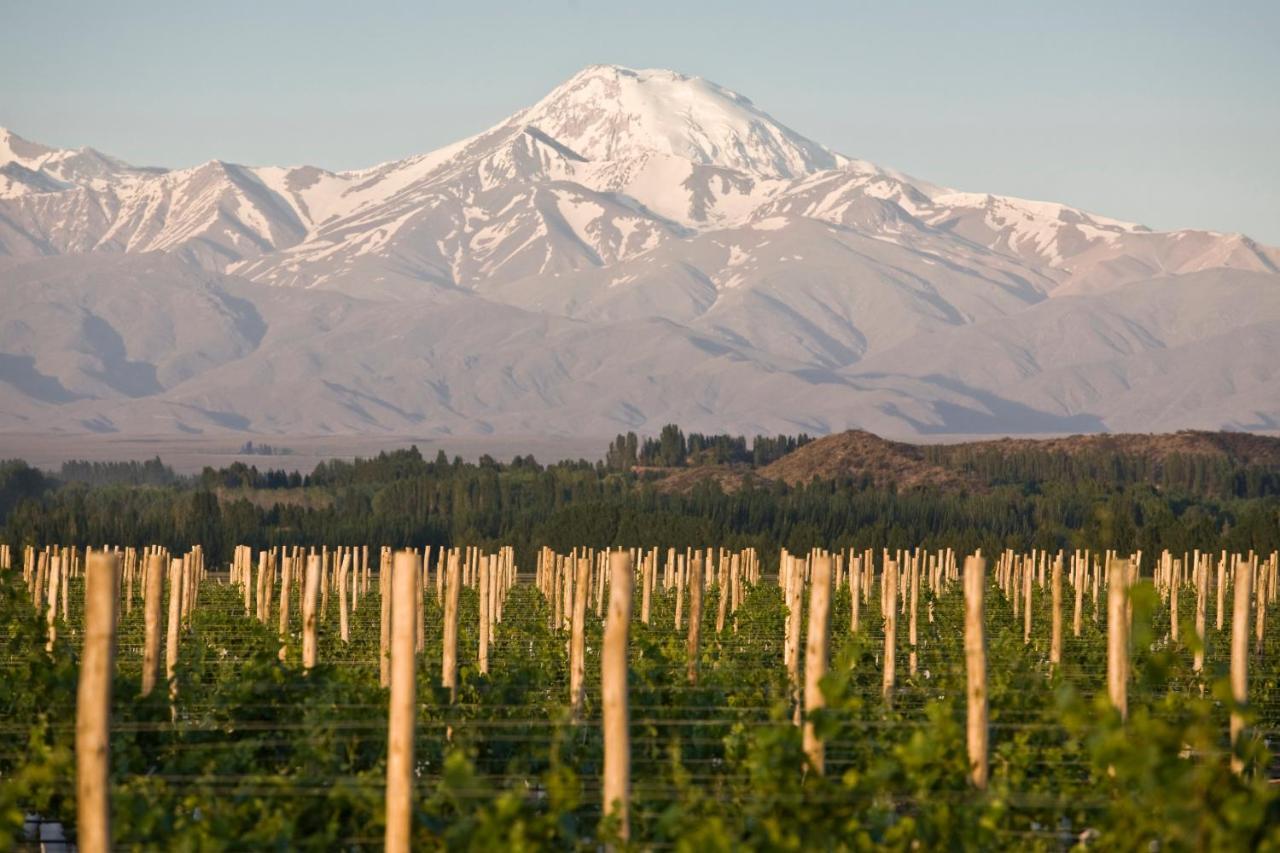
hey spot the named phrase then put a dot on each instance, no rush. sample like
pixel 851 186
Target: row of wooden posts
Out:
pixel 568 581
pixel 347 570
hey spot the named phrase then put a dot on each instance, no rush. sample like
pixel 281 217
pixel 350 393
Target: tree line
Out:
pixel 401 498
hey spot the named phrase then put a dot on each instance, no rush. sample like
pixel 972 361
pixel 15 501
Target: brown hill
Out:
pixel 863 456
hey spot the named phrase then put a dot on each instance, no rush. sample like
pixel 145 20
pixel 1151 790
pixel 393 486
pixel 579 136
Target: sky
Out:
pixel 1165 113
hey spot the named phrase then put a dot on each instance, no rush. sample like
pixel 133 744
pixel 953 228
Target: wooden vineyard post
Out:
pixel 440 573
pixel 175 616
pixel 1118 637
pixel 399 794
pixel 483 584
pixel 815 662
pixel 911 617
pixel 384 620
pixel 1078 584
pixel 286 579
pixel 246 577
pixel 1239 659
pixel 855 584
pixel 93 704
pixel 51 614
pixel 795 595
pixel 1027 571
pixel 422 573
pixel 613 694
pixel 681 576
pixel 1259 580
pixel 344 613
pixel 646 584
pixel 325 569
pixel 694 641
pixel 1055 635
pixel 722 591
pixel 1222 580
pixel 264 590
pixel 890 628
pixel 153 590
pixel 310 591
pixel 975 655
pixel 577 638
pixel 449 654
pixel 1202 594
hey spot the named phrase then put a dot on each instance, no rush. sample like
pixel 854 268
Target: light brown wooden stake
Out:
pixel 246 578
pixel 646 574
pixel 795 600
pixel 911 622
pixel 681 572
pixel 93 705
pixel 855 589
pixel 364 571
pixel 420 605
pixel 577 638
pixel 815 659
pixel 600 573
pixel 286 591
pixel 975 654
pixel 310 591
pixel 42 581
pixel 1260 601
pixel 1026 603
pixel 484 615
pixel 384 619
pixel 399 794
pixel 1202 594
pixel 890 629
pixel 559 578
pixel 1222 579
pixel 449 661
pixel 1173 602
pixel 344 613
pixel 175 617
pixel 722 608
pixel 1078 582
pixel 1055 628
pixel 1118 637
pixel 613 695
pixel 440 572
pixel 1240 659
pixel 51 615
pixel 264 598
pixel 153 591
pixel 187 585
pixel 693 648
pixel 128 573
pixel 735 586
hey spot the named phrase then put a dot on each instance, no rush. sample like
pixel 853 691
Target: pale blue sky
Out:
pixel 1166 113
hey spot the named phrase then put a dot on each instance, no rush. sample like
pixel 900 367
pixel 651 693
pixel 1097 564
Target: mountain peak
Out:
pixel 608 112
pixel 15 149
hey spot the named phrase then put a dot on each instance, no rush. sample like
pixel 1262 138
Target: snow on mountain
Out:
pixel 637 247
pixel 610 113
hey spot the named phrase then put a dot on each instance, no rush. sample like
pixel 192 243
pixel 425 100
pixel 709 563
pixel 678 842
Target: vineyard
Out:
pixel 334 697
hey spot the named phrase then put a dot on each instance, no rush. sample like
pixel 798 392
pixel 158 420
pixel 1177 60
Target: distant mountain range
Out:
pixel 637 248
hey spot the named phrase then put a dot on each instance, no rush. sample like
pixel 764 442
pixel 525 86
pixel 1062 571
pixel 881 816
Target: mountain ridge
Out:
pixel 646 205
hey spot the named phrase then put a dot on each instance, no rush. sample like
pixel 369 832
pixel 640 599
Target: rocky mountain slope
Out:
pixel 637 248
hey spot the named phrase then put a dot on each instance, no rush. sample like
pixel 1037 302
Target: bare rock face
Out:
pixel 637 248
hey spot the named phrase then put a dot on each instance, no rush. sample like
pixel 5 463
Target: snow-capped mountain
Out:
pixel 637 247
